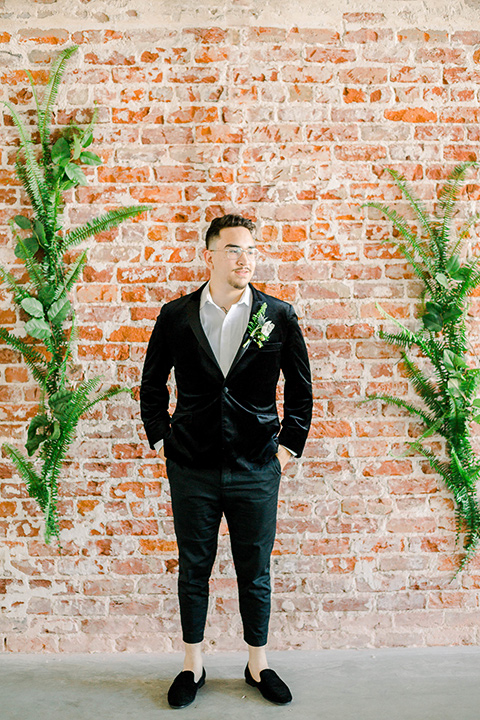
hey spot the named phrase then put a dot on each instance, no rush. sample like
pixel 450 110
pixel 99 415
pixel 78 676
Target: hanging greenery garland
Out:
pixel 436 252
pixel 46 170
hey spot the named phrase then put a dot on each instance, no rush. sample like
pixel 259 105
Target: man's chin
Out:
pixel 239 283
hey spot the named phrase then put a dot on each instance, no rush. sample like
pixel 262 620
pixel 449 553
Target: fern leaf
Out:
pixel 35 360
pixel 423 386
pixel 51 92
pixel 27 471
pixel 75 271
pixel 408 235
pixel 105 396
pixel 20 292
pixel 400 339
pixel 398 402
pixel 467 226
pixel 104 222
pixel 449 195
pixel 415 203
pixel 32 168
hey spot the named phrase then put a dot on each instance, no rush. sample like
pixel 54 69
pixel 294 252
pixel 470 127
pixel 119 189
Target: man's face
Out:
pixel 226 268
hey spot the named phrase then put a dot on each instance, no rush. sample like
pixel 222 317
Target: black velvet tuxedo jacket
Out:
pixel 228 420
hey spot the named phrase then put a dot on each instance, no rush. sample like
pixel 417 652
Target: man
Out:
pixel 224 445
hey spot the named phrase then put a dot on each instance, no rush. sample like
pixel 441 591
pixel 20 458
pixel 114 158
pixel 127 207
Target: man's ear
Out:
pixel 208 257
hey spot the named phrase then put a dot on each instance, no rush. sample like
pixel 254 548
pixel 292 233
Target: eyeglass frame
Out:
pixel 235 251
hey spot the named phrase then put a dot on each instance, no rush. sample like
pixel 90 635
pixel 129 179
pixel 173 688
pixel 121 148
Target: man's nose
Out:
pixel 243 255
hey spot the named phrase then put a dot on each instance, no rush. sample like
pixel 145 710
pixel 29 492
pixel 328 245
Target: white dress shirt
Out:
pixel 224 330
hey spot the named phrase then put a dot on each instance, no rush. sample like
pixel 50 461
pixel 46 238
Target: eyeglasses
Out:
pixel 235 252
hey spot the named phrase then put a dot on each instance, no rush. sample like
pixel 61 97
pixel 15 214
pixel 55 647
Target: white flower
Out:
pixel 267 328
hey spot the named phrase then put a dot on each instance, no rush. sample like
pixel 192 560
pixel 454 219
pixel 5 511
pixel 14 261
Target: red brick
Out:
pixel 325 55
pixel 363 76
pixel 363 17
pixel 413 115
pixel 49 37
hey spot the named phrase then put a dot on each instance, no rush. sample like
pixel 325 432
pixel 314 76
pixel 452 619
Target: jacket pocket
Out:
pixel 270 347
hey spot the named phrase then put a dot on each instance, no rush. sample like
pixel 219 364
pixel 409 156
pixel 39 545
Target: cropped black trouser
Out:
pixel 249 501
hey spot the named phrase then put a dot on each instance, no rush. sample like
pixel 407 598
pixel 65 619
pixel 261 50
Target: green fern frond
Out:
pixel 105 396
pixel 105 222
pixel 427 391
pixel 35 360
pixel 27 471
pixel 400 339
pixel 415 204
pixel 429 420
pixel 75 271
pixel 467 226
pixel 31 167
pixel 417 245
pixel 20 292
pixel 449 196
pixel 51 92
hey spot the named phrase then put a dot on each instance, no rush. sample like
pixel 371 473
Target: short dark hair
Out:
pixel 227 221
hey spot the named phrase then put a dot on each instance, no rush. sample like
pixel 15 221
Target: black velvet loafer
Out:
pixel 271 686
pixel 183 690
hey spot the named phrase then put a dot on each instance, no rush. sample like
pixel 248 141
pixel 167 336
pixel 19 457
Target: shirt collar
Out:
pixel 206 297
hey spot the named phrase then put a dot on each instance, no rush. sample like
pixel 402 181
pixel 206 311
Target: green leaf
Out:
pixel 46 295
pixel 452 360
pixel 56 430
pixel 453 265
pixel 88 140
pixel 60 150
pixel 75 174
pixel 442 279
pixel 454 387
pixel 476 402
pixel 59 310
pixel 452 315
pixel 38 329
pixel 32 307
pixel 39 231
pixel 433 307
pixel 89 158
pixel 449 359
pixel 30 244
pixel 59 403
pixel 37 433
pixel 432 322
pixel 476 419
pixel 77 147
pixel 22 222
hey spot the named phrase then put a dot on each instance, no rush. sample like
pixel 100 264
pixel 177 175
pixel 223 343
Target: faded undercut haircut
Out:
pixel 227 221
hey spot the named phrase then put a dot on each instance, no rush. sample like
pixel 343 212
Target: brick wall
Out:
pixel 290 125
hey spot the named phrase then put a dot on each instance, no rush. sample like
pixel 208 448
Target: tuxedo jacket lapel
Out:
pixel 193 313
pixel 256 305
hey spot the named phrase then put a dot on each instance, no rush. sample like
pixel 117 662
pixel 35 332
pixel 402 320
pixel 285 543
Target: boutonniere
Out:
pixel 259 328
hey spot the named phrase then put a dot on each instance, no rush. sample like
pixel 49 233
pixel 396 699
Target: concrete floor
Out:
pixel 387 684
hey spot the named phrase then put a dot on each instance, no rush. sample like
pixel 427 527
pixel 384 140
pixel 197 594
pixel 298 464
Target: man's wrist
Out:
pixel 158 445
pixel 288 450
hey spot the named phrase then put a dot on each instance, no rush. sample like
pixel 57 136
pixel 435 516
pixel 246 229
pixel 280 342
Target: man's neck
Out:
pixel 225 297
